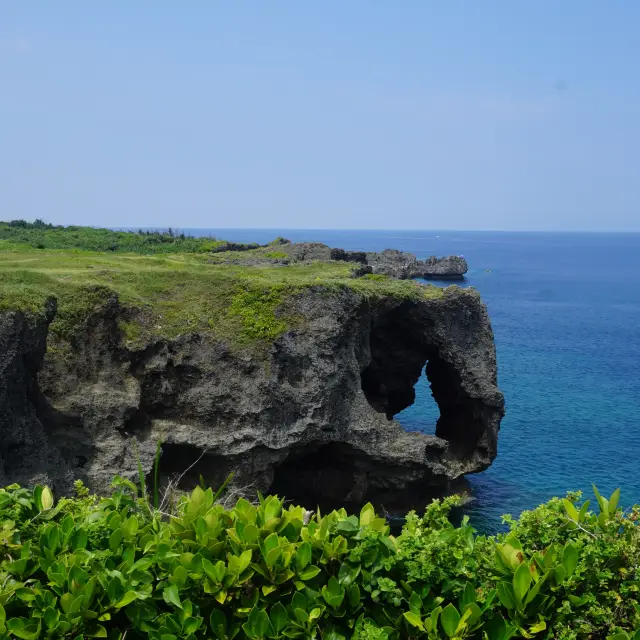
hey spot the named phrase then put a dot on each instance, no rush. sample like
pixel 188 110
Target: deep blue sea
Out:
pixel 565 310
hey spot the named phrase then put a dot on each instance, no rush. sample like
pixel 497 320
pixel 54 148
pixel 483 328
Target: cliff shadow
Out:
pixel 337 474
pixel 183 467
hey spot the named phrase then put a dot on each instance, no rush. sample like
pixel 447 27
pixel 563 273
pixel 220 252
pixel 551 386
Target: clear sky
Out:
pixel 416 114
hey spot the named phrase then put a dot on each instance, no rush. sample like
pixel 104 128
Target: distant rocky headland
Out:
pixel 390 262
pixel 284 364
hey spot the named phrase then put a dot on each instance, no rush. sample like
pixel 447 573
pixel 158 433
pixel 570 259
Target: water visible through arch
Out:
pixel 423 414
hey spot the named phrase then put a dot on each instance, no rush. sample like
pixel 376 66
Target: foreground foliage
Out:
pixel 91 567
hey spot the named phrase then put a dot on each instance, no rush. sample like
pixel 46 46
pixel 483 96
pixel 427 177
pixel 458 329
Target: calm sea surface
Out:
pixel 565 310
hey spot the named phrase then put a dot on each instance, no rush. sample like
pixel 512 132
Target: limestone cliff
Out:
pixel 310 417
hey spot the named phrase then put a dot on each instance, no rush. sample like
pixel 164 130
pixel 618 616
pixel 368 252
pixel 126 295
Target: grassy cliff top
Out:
pixel 183 288
pixel 40 235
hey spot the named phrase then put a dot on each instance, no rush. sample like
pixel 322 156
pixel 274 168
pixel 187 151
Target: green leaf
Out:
pixel 559 574
pixel 472 613
pixel 36 497
pixel 258 623
pixel 449 619
pixel 172 596
pixel 299 601
pixel 66 600
pixel 572 512
pixel 602 502
pixel 303 556
pixel 414 620
pixel 53 539
pixel 333 593
pixel 468 596
pixel 347 526
pixel 602 521
pixel 301 615
pixel 315 613
pixel 348 574
pixel 26 595
pixel 23 628
pixel 250 533
pixel 3 618
pixel 46 499
pixel 570 558
pixel 415 602
pixel 272 507
pixel 50 616
pixel 537 628
pixel 535 590
pixel 353 594
pixel 550 555
pixel 77 604
pixel 506 596
pixel 114 540
pixel 214 571
pixel 218 623
pixel 613 501
pixel 279 617
pixel 583 510
pixel 191 625
pixel 244 561
pixel 273 556
pixel 128 598
pixel 433 618
pixel 79 539
pixel 521 581
pixel 496 628
pixel 269 543
pixel 367 515
pixel 310 573
pixel 619 636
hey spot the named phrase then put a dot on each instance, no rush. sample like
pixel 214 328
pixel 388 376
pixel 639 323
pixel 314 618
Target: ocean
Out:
pixel 565 311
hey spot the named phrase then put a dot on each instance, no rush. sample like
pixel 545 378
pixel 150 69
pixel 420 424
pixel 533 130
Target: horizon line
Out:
pixel 363 229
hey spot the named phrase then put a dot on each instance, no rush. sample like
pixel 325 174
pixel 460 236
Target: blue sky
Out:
pixel 411 114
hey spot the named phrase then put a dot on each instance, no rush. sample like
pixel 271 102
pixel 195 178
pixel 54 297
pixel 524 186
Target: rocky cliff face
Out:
pixel 312 418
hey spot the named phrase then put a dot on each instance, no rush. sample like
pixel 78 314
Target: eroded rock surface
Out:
pixel 312 418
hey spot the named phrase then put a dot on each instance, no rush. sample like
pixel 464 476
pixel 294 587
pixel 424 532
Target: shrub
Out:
pixel 105 567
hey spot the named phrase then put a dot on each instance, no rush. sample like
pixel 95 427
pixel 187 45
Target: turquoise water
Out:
pixel 565 310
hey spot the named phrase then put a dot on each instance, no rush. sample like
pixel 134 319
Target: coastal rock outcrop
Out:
pixel 403 265
pixel 390 262
pixel 310 418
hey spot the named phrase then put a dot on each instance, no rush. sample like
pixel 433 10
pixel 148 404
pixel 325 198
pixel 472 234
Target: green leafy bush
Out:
pixel 109 567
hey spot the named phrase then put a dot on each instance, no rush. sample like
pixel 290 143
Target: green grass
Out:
pixel 177 293
pixel 39 235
